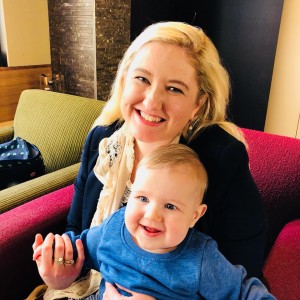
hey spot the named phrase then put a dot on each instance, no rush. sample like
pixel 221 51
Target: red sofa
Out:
pixel 275 165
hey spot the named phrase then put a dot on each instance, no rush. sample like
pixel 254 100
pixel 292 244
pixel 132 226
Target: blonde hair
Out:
pixel 175 156
pixel 212 77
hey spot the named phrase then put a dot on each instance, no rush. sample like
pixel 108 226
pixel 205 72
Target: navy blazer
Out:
pixel 235 217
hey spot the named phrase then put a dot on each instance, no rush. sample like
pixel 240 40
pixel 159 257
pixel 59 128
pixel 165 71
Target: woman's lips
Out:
pixel 150 118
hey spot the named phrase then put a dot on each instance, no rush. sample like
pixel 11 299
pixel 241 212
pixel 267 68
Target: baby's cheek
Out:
pixel 177 233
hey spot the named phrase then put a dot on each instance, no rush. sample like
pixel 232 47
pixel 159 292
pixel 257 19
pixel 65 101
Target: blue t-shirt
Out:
pixel 194 270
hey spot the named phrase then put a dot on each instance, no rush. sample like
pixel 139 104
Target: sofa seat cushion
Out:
pixel 282 267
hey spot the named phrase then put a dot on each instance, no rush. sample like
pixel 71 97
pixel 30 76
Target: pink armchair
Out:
pixel 275 165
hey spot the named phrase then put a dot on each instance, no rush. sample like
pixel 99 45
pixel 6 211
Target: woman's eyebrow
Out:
pixel 142 70
pixel 179 82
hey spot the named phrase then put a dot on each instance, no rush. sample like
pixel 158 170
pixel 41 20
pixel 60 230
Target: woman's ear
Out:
pixel 195 110
pixel 198 214
pixel 198 104
pixel 123 79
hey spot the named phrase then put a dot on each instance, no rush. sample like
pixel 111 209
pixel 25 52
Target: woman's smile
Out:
pixel 149 119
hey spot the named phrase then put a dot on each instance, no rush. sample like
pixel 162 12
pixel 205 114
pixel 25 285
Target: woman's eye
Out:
pixel 170 206
pixel 175 90
pixel 143 79
pixel 143 199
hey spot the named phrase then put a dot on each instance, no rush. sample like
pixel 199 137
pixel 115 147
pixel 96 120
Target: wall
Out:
pixel 14 80
pixel 146 12
pixel 25 26
pixel 26 50
pixel 112 39
pixel 284 103
pixel 73 45
pixel 87 39
pixel 245 33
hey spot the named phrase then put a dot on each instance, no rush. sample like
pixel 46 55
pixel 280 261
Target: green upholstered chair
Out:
pixel 58 125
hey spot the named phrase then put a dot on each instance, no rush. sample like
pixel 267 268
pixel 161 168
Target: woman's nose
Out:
pixel 153 98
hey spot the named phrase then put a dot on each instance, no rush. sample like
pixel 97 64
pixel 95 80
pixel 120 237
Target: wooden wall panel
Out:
pixel 14 80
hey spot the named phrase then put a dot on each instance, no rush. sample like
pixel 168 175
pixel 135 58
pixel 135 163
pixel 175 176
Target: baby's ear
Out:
pixel 198 214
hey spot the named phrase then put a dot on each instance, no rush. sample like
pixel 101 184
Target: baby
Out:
pixel 149 246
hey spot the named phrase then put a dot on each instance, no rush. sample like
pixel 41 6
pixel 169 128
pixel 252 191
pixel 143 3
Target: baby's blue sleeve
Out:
pixel 221 280
pixel 91 239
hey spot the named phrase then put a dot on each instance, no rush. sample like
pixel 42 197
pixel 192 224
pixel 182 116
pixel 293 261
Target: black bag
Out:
pixel 19 161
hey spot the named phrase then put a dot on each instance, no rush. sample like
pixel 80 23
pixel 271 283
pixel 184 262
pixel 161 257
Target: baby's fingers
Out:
pixel 80 251
pixel 69 255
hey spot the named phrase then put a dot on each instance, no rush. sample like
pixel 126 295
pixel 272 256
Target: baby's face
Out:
pixel 163 205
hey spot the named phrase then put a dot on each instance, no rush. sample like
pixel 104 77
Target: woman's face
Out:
pixel 160 93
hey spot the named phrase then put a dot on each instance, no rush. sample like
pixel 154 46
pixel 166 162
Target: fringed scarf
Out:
pixel 113 168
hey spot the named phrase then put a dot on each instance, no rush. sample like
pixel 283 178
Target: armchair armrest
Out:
pixel 282 266
pixel 6 134
pixel 18 229
pixel 29 190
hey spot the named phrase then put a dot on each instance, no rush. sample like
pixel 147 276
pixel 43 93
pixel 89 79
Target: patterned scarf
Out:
pixel 113 168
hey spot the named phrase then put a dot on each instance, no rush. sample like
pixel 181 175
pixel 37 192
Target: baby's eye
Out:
pixel 143 199
pixel 175 90
pixel 170 206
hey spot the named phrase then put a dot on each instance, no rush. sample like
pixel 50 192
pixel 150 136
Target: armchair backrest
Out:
pixel 275 166
pixel 56 123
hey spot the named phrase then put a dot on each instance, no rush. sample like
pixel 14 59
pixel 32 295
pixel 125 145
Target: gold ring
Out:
pixel 59 260
pixel 69 262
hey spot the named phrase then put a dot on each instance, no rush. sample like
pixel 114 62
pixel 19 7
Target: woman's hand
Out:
pixel 57 267
pixel 111 293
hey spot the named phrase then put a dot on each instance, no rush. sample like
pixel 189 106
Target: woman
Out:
pixel 170 87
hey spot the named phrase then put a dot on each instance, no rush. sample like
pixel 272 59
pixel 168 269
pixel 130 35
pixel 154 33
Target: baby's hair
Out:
pixel 174 156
